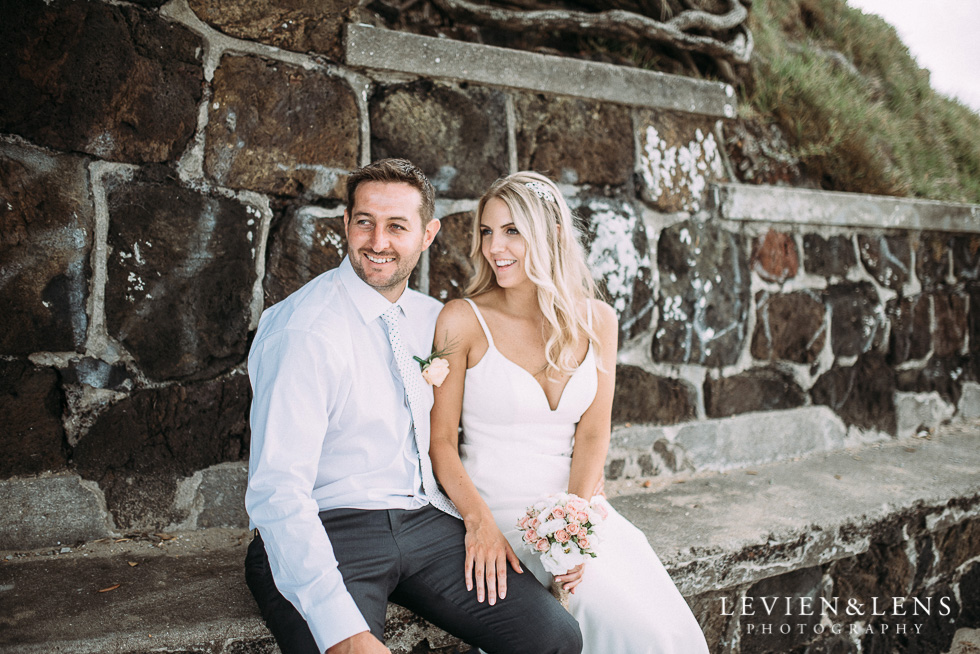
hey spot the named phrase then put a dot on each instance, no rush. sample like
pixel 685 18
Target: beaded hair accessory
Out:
pixel 541 191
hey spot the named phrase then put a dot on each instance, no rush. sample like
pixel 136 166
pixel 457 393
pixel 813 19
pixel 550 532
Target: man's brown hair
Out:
pixel 395 171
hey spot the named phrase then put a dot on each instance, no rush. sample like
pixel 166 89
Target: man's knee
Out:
pixel 557 633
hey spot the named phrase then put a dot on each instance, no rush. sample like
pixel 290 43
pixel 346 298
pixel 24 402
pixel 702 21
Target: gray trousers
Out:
pixel 415 558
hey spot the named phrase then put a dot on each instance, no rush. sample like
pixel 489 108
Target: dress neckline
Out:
pixel 492 346
pixel 544 394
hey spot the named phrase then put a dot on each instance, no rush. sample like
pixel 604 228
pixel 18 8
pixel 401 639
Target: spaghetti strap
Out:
pixel 483 323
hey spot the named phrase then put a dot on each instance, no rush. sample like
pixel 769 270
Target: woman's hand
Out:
pixel 572 578
pixel 487 555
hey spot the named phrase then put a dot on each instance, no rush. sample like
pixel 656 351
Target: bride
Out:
pixel 532 362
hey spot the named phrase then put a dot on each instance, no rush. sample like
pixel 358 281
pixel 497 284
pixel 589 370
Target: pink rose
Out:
pixel 558 512
pixel 562 536
pixel 573 528
pixel 435 373
pixel 522 523
pixel 530 537
pixel 534 524
pixel 582 517
pixel 542 545
pixel 583 542
pixel 577 504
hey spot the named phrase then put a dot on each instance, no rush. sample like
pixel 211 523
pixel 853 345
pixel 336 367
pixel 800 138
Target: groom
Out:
pixel 340 484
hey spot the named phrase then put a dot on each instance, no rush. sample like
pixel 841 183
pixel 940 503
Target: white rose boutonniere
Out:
pixel 435 368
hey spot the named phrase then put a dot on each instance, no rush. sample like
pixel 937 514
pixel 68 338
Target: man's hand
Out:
pixel 487 556
pixel 362 643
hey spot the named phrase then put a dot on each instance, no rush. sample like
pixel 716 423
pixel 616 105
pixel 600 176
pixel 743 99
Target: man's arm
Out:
pixel 294 383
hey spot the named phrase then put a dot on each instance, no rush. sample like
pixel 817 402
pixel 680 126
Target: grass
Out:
pixel 874 127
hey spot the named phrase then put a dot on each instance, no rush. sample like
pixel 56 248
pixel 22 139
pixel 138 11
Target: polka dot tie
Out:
pixel 412 379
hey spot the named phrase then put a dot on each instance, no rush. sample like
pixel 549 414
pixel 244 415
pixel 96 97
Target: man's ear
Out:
pixel 430 233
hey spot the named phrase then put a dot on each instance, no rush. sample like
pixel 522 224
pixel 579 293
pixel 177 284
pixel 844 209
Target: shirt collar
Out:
pixel 369 302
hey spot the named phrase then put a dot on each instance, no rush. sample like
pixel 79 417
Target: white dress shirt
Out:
pixel 331 428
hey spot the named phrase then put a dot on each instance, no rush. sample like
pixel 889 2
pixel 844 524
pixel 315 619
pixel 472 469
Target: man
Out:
pixel 340 484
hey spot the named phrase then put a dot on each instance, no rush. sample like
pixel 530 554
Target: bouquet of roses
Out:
pixel 563 529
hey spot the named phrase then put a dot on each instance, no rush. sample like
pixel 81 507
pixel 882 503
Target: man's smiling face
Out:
pixel 385 235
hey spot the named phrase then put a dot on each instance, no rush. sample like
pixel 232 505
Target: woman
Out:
pixel 532 361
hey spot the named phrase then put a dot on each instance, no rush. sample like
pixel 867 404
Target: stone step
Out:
pixel 720 535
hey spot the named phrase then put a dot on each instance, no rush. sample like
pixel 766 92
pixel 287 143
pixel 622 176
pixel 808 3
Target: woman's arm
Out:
pixel 487 551
pixel 593 430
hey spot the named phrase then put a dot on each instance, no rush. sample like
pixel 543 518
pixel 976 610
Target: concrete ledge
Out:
pixel 380 49
pixel 724 443
pixel 714 531
pixel 725 530
pixel 804 207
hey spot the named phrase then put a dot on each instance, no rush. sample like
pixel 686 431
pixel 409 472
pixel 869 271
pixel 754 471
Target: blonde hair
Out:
pixel 555 262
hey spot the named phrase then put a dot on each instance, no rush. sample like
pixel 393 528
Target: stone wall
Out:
pixel 169 169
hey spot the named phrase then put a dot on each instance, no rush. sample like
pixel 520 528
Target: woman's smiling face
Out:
pixel 502 245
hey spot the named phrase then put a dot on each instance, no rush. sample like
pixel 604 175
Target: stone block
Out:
pixel 753 439
pixel 774 256
pixel 966 257
pixel 915 412
pixel 862 394
pixel 789 327
pixel 944 375
pixel 805 583
pixel 931 632
pixel 884 570
pixel 448 58
pixel 449 257
pixel 910 335
pixel 644 398
pixel 856 317
pixel 139 447
pixel 968 407
pixel 887 258
pixel 46 222
pixel 32 438
pixel 304 241
pixel 280 129
pixel 956 546
pixel 973 321
pixel 223 490
pixel 951 323
pixel 970 596
pixel 757 389
pixel 965 641
pixel 457 136
pixel 933 259
pixel 179 276
pixel 679 158
pixel 832 256
pixel 799 206
pixel 299 25
pixel 618 254
pixel 114 81
pixel 718 626
pixel 574 141
pixel 51 511
pixel 705 295
pixel 214 497
pixel 642 451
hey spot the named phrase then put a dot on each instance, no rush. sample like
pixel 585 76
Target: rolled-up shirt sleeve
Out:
pixel 295 382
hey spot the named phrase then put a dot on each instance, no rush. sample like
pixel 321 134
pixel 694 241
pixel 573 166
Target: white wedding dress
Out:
pixel 518 451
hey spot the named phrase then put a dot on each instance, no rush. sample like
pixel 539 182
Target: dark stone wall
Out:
pixel 910 591
pixel 160 184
